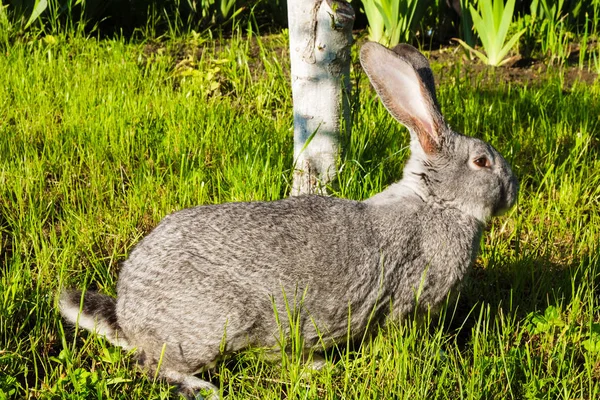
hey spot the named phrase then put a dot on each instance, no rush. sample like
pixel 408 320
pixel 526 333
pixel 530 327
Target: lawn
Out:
pixel 100 139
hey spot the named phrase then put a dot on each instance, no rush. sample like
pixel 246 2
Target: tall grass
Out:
pixel 101 139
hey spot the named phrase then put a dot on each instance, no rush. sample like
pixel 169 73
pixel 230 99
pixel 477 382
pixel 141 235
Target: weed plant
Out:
pixel 491 22
pixel 99 140
pixel 391 21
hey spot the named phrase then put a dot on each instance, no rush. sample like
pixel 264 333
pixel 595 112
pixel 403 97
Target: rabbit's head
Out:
pixel 445 167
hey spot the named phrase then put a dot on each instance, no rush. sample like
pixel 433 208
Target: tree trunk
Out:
pixel 320 41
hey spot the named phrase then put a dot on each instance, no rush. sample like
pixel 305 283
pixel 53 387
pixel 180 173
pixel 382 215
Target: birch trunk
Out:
pixel 320 41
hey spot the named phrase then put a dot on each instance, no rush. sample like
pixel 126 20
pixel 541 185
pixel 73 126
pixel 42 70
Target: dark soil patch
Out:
pixel 521 71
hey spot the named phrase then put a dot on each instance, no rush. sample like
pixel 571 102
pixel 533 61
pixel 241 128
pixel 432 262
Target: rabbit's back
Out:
pixel 291 239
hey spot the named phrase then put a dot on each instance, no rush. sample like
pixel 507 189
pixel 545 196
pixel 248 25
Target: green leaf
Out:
pixel 552 313
pixel 39 7
pixel 477 53
pixel 509 45
pixel 592 344
pixel 505 20
pixel 117 380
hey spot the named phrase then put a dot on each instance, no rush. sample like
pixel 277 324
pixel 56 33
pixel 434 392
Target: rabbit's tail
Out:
pixel 94 312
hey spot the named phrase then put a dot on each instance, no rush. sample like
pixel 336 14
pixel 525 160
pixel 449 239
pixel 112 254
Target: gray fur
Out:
pixel 203 282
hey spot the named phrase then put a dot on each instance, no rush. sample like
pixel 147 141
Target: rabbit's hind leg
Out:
pixel 178 373
pixel 191 387
pixel 317 362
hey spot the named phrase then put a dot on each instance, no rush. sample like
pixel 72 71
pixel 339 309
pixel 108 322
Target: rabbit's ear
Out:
pixel 404 82
pixel 420 63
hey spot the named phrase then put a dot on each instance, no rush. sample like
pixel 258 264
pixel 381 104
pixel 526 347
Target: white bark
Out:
pixel 320 41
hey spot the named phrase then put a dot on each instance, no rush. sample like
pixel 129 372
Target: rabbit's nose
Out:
pixel 508 195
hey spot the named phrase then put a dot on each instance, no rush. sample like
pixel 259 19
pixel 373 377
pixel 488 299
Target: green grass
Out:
pixel 101 139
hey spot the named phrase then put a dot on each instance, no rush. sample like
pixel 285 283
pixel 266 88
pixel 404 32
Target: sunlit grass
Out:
pixel 101 139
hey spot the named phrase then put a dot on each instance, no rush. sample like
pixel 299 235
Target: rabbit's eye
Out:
pixel 482 162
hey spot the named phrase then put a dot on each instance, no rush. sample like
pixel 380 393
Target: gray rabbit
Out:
pixel 204 283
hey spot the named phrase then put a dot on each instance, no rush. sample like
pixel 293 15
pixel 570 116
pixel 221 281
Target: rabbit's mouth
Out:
pixel 507 198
